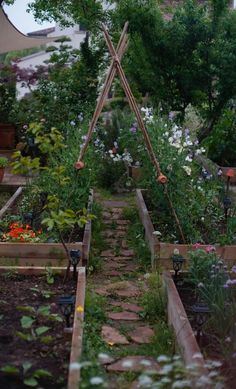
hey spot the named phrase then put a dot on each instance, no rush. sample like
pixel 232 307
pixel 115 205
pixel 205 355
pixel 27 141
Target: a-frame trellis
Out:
pixel 116 68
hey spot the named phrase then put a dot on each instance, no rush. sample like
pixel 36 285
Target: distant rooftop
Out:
pixel 41 33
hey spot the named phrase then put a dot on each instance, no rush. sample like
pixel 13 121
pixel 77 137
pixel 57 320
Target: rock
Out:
pixel 141 334
pixel 125 315
pixel 111 336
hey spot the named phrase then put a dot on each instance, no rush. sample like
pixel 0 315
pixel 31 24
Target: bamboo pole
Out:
pixel 121 47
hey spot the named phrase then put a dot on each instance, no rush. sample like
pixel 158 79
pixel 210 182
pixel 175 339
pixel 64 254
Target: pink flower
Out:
pixel 197 246
pixel 210 249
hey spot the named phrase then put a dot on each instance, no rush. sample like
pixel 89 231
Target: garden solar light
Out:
pixel 28 218
pixel 75 256
pixel 66 304
pixel 201 311
pixel 177 261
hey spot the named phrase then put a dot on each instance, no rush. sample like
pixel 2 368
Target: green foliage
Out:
pixel 202 220
pixel 188 59
pixel 7 94
pixel 154 300
pixel 3 162
pixel 221 142
pixel 67 70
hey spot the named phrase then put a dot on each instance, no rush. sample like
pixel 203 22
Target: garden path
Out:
pixel 120 281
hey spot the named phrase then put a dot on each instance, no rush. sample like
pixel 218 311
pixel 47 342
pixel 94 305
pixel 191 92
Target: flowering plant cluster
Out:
pixel 175 147
pixel 21 233
pixel 215 285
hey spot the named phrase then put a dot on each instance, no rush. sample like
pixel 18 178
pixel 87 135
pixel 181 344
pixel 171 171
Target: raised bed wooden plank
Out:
pixel 162 252
pixel 35 250
pixel 76 346
pixel 178 320
pixel 26 270
pixel 87 234
pixel 151 239
pixel 11 201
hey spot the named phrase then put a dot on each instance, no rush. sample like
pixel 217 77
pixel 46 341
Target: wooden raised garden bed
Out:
pixel 52 346
pixel 42 254
pixel 178 320
pixel 161 252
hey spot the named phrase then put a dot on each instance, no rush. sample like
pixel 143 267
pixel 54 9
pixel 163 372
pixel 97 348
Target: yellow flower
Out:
pixel 111 343
pixel 80 309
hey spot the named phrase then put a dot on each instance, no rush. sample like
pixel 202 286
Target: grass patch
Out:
pixel 135 237
pixel 92 341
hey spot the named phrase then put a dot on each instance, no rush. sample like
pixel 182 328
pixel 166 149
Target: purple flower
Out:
pixel 133 130
pixel 233 270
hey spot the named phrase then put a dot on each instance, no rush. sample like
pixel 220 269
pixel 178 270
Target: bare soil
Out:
pixel 17 292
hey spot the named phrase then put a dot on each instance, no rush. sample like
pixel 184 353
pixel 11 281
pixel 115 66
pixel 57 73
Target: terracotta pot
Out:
pixel 7 136
pixel 2 170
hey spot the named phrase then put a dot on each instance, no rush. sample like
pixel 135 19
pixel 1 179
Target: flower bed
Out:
pixel 34 319
pixel 205 297
pixel 178 320
pixel 39 254
pixel 162 252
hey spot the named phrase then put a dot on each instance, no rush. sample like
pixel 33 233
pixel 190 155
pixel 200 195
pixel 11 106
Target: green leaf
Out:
pixel 44 310
pixel 27 321
pixel 10 369
pixel 55 317
pixel 42 373
pixel 25 308
pixel 30 382
pixel 41 330
pixel 23 336
pixel 46 339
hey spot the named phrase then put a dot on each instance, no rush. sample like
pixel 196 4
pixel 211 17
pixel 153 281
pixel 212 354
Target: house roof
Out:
pixel 41 33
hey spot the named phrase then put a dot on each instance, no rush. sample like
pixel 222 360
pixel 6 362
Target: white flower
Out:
pixel 75 366
pixel 145 381
pixel 163 358
pixel 188 170
pixel 145 362
pixel 176 251
pixel 127 363
pixel 188 158
pixel 146 276
pixel 166 369
pixel 103 356
pixel 181 384
pixel 197 355
pixel 96 381
pixel 157 233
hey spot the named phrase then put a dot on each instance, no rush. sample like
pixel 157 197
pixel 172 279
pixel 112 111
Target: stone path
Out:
pixel 119 283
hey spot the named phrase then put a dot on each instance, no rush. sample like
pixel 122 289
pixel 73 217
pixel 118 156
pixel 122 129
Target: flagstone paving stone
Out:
pixel 141 334
pixel 128 329
pixel 125 315
pixel 129 306
pixel 115 205
pixel 112 336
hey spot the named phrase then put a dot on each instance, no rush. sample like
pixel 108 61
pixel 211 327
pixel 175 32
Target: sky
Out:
pixel 21 19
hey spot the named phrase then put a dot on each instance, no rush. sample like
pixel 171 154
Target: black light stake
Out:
pixel 201 310
pixel 66 304
pixel 74 260
pixel 177 261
